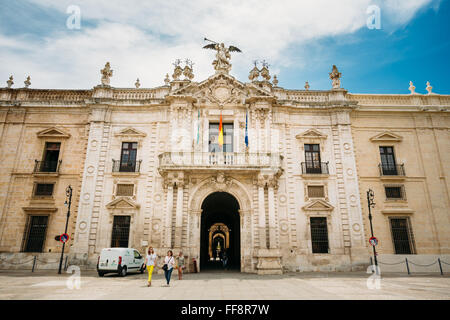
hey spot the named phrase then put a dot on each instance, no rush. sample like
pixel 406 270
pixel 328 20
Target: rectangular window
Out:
pixel 402 236
pixel 43 189
pixel 128 157
pixel 120 232
pixel 214 137
pixel 395 192
pixel 51 157
pixel 319 235
pixel 312 158
pixel 35 233
pixel 388 165
pixel 125 190
pixel 316 192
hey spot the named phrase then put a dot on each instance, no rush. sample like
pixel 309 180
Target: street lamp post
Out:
pixel 68 203
pixel 371 204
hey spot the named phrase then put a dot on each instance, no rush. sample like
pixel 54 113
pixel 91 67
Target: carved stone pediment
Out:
pixel 318 205
pixel 386 136
pixel 53 132
pixel 130 132
pixel 122 203
pixel 221 89
pixel 311 134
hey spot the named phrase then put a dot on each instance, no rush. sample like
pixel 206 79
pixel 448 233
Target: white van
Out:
pixel 120 260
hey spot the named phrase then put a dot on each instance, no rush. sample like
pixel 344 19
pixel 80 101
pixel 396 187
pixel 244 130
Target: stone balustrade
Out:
pixel 228 160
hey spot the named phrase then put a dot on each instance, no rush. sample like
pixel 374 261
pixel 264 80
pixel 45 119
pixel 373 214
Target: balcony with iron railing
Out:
pixel 126 167
pixel 46 167
pixel 219 160
pixel 315 168
pixel 394 170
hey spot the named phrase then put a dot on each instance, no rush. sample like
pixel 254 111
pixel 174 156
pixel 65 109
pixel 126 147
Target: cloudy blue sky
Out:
pixel 301 40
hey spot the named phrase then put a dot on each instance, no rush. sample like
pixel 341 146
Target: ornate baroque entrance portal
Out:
pixel 220 231
pixel 220 219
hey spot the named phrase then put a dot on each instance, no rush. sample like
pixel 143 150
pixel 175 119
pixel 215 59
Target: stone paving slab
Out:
pixel 48 285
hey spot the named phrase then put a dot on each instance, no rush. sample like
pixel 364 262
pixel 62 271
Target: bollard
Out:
pixel 34 263
pixel 440 266
pixel 407 265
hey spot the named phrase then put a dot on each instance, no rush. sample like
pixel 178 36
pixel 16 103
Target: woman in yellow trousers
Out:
pixel 150 262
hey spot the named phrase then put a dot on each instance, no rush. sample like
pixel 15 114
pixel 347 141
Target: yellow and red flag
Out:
pixel 220 132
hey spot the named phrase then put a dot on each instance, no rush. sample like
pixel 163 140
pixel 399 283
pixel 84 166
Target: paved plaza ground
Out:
pixel 220 285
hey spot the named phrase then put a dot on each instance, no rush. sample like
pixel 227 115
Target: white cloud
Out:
pixel 142 39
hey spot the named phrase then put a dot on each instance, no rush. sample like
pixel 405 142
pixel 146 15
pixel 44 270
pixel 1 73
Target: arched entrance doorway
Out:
pixel 220 232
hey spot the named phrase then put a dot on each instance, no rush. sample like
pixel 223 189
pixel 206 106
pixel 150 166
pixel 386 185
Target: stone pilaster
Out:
pixel 261 216
pixel 179 215
pixel 168 216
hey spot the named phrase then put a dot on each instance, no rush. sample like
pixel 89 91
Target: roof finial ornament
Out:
pixel 275 80
pixel 412 88
pixel 187 71
pixel 27 82
pixel 307 86
pixel 167 80
pixel 265 70
pixel 178 71
pixel 106 73
pixel 335 77
pixel 254 73
pixel 429 88
pixel 222 63
pixel 137 83
pixel 10 82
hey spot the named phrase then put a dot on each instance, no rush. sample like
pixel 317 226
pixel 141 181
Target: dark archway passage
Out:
pixel 220 231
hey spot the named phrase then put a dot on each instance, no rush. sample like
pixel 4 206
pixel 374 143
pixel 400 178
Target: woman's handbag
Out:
pixel 165 267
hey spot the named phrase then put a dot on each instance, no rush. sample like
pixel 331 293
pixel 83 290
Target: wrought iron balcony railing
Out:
pixel 391 170
pixel 132 166
pixel 315 167
pixel 219 159
pixel 46 166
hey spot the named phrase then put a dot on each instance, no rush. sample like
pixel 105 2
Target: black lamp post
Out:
pixel 67 203
pixel 371 204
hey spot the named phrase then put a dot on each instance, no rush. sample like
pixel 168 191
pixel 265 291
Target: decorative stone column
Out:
pixel 168 220
pixel 261 215
pixel 272 219
pixel 194 247
pixel 269 258
pixel 179 215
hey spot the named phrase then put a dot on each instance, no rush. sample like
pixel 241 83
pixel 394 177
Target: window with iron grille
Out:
pixel 43 189
pixel 120 232
pixel 319 235
pixel 35 232
pixel 402 236
pixel 316 192
pixel 395 192
pixel 125 190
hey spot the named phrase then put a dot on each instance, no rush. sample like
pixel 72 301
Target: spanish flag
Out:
pixel 220 132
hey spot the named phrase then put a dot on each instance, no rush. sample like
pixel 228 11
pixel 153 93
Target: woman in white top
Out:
pixel 169 260
pixel 150 261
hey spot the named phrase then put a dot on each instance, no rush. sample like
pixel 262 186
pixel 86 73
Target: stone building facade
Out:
pixel 285 192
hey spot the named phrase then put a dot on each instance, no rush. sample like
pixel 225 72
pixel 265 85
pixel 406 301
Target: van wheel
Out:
pixel 101 274
pixel 123 271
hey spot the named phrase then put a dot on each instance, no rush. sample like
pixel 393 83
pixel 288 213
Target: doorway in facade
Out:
pixel 220 233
